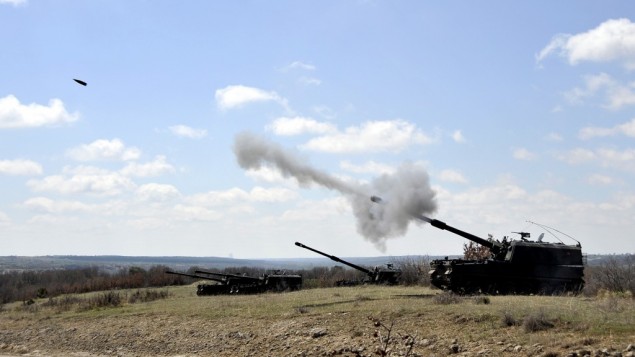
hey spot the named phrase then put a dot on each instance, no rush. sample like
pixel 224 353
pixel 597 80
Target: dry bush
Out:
pixel 390 341
pixel 537 322
pixel 473 251
pixel 616 274
pixel 63 303
pixel 106 299
pixel 414 270
pixel 509 320
pixel 481 300
pixel 147 296
pixel 28 306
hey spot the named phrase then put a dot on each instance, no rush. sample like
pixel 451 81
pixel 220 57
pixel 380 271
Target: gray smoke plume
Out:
pixel 405 194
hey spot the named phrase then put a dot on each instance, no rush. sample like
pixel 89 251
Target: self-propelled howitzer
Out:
pixel 515 266
pixel 279 281
pixel 379 275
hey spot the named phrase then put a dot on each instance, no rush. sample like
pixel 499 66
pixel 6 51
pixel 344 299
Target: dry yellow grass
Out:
pixel 333 321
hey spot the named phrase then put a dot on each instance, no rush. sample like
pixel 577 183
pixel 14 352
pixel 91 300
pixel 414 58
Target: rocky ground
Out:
pixel 303 336
pixel 344 331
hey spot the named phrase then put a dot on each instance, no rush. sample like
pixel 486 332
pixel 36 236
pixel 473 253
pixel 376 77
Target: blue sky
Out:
pixel 517 112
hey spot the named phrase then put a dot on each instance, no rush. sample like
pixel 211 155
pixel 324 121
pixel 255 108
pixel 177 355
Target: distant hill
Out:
pixel 116 262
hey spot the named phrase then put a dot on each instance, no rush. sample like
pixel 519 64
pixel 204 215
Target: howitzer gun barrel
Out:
pixel 195 276
pixel 443 226
pixel 334 258
pixel 235 276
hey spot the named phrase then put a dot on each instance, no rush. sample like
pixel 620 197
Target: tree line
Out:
pixel 615 274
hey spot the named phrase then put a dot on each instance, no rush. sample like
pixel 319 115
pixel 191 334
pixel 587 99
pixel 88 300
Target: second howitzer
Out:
pixel 278 281
pixel 379 275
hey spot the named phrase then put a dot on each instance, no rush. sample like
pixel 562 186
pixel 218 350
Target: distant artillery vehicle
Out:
pixel 223 286
pixel 388 276
pixel 244 284
pixel 514 267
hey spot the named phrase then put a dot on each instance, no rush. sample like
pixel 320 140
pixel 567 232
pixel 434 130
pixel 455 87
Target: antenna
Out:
pixel 548 229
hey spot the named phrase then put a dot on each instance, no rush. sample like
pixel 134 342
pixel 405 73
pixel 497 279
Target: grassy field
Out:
pixel 322 322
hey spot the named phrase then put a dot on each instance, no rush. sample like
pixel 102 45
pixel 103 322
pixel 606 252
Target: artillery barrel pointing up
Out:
pixel 443 226
pixel 332 257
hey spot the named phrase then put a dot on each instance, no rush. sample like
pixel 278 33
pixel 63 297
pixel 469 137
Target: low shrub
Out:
pixel 106 299
pixel 536 322
pixel 484 300
pixel 147 296
pixel 509 319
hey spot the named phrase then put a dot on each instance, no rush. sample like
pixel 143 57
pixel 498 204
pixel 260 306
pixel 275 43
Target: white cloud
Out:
pixel 195 213
pixel 370 167
pixel 300 65
pixel 310 81
pixel 324 112
pixel 452 176
pixel 236 96
pixel 620 95
pixel 270 175
pixel 592 132
pixel 487 196
pixel 616 158
pixel 20 167
pixel 157 167
pixel 622 160
pixel 84 179
pixel 616 95
pixel 627 129
pixel 13 2
pixel 312 211
pixel 4 219
pixel 103 149
pixel 13 114
pixel 374 136
pixel 188 132
pixel 458 137
pixel 300 125
pixel 157 192
pixel 597 179
pixel 257 194
pixel 576 156
pixel 555 137
pixel 523 154
pixel 47 205
pixel 612 40
pixel 592 85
